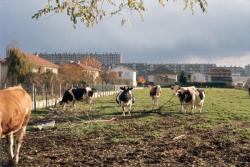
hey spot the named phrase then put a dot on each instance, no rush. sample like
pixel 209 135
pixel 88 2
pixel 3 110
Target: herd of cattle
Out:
pixel 16 105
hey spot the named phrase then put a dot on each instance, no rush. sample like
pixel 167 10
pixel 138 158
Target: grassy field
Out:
pixel 220 136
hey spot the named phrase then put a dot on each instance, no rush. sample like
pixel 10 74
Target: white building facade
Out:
pixel 126 74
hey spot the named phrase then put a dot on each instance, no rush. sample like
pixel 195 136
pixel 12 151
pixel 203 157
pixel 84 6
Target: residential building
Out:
pixel 189 69
pixel 247 70
pixel 126 74
pixel 198 77
pixel 41 65
pixel 64 58
pixel 235 70
pixel 221 75
pixel 247 84
pixel 239 81
pixel 162 76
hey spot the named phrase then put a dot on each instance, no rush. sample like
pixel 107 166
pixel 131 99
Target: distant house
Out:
pixel 247 83
pixel 41 65
pixel 197 77
pixel 220 75
pixel 92 72
pixel 239 81
pixel 162 76
pixel 126 74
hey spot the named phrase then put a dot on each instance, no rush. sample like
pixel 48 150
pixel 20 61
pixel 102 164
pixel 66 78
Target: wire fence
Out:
pixel 46 95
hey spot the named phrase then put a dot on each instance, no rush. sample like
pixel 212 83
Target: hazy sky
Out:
pixel 167 34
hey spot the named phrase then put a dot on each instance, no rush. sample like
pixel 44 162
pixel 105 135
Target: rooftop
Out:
pixel 40 61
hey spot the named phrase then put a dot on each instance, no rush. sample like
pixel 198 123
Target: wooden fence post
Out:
pixel 46 97
pixel 60 90
pixel 52 90
pixel 34 96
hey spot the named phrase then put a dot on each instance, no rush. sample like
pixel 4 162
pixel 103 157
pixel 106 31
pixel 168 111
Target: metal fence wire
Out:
pixel 45 95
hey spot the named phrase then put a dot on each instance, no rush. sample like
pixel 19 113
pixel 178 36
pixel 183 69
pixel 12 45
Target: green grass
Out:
pixel 219 136
pixel 227 108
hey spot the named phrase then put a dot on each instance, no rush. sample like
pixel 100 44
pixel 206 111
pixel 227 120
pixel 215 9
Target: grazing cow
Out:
pixel 78 94
pixel 176 89
pixel 15 110
pixel 249 91
pixel 195 98
pixel 155 93
pixel 125 98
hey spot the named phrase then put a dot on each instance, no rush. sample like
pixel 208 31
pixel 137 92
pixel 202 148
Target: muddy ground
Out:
pixel 134 145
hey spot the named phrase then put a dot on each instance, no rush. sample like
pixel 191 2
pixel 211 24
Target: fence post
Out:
pixel 46 97
pixel 34 96
pixel 60 90
pixel 52 90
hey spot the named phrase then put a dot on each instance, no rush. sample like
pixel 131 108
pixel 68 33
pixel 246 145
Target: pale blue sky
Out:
pixel 167 34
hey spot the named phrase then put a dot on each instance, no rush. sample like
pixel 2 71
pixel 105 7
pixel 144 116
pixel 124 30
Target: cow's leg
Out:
pixel 19 139
pixel 153 103
pixel 201 107
pixel 11 144
pixel 123 109
pixel 185 108
pixel 63 106
pixel 130 106
pixel 157 102
pixel 182 107
pixel 73 106
pixel 193 103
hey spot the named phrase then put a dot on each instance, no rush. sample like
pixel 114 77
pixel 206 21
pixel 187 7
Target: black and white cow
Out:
pixel 194 98
pixel 125 98
pixel 155 93
pixel 78 94
pixel 176 89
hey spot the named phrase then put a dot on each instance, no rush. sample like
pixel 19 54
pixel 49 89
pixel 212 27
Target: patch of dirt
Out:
pixel 198 148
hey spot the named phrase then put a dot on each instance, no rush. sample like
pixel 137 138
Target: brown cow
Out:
pixel 155 93
pixel 15 110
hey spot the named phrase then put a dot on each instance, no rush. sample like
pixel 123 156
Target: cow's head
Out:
pixel 90 91
pixel 176 89
pixel 126 93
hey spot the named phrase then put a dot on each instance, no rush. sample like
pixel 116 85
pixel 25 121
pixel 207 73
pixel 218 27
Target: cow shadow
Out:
pixel 7 163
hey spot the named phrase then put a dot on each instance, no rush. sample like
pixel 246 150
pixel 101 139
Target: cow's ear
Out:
pixel 122 88
pixel 130 88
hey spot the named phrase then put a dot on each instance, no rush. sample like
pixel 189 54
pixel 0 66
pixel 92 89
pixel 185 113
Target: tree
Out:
pixel 47 79
pixel 92 62
pixel 111 77
pixel 141 80
pixel 182 78
pixel 19 67
pixel 92 12
pixel 72 74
